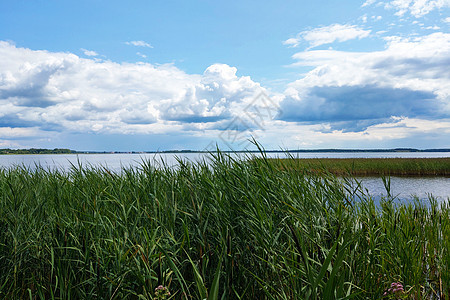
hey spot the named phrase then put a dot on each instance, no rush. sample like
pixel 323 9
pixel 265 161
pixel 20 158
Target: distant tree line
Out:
pixel 68 151
pixel 36 151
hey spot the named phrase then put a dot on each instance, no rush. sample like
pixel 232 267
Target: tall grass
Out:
pixel 227 228
pixel 371 166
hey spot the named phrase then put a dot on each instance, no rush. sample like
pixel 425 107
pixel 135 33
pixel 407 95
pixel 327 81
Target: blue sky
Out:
pixel 156 75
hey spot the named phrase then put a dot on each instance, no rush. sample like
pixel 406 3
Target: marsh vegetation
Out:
pixel 225 228
pixel 370 166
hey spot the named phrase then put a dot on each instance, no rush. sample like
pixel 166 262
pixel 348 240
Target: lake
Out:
pixel 402 187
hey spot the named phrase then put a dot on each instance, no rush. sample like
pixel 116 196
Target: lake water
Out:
pixel 402 187
pixel 406 188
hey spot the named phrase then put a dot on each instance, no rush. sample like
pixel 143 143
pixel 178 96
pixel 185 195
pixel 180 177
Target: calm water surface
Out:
pixel 406 188
pixel 402 187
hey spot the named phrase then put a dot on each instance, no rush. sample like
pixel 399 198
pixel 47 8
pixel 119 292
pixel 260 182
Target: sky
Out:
pixel 172 75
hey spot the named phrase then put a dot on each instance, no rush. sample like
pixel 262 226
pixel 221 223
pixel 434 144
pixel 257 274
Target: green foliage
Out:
pixel 36 151
pixel 369 166
pixel 226 228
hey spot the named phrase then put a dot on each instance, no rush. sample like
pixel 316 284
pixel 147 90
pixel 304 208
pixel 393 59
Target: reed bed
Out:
pixel 371 166
pixel 226 228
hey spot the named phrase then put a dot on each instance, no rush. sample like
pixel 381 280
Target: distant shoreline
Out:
pixel 34 151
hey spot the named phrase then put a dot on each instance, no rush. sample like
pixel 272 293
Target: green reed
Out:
pixel 371 166
pixel 225 228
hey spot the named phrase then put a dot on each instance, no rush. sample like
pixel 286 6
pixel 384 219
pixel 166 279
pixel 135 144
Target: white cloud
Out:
pixel 406 62
pixel 328 34
pixel 364 18
pixel 417 8
pixel 139 44
pixel 141 55
pixel 292 42
pixel 11 132
pixel 447 20
pixel 394 129
pixel 63 92
pixel 43 93
pixel 368 3
pixel 9 144
pixel 394 132
pixel 89 52
pixel 356 90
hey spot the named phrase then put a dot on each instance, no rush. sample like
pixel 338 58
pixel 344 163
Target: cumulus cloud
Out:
pixel 353 91
pixel 417 8
pixel 350 99
pixel 20 132
pixel 89 52
pixel 139 44
pixel 368 3
pixel 52 91
pixel 219 95
pixel 328 34
pixel 292 42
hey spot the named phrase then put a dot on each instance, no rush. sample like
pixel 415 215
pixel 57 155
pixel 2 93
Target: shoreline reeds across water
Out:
pixel 368 166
